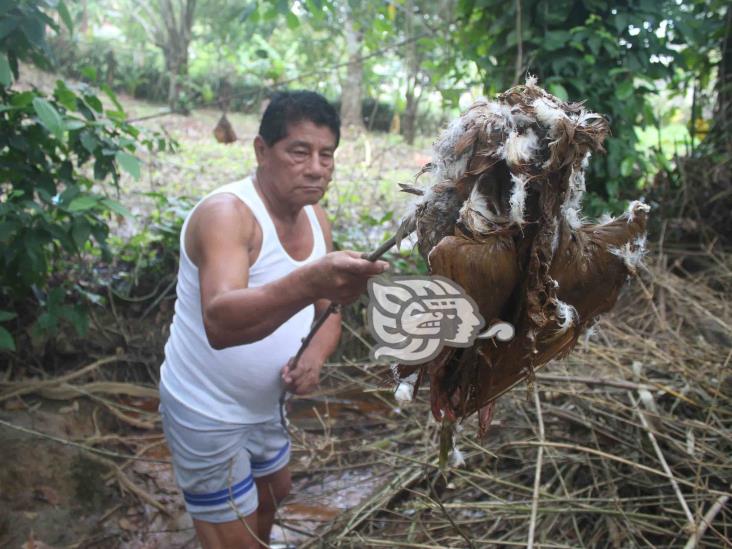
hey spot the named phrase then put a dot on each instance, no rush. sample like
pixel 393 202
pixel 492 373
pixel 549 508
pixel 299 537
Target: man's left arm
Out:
pixel 304 378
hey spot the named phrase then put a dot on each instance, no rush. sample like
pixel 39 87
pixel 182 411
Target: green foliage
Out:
pixel 7 343
pixel 151 254
pixel 22 32
pixel 611 54
pixel 54 153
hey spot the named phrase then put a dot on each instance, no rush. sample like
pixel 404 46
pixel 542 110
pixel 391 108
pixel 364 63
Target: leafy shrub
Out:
pixel 151 254
pixel 53 153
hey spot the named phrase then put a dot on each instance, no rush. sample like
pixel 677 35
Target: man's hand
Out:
pixel 302 378
pixel 342 276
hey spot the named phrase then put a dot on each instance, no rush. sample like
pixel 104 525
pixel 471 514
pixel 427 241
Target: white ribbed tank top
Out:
pixel 239 384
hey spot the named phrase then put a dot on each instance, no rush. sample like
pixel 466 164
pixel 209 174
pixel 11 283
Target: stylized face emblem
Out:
pixel 412 318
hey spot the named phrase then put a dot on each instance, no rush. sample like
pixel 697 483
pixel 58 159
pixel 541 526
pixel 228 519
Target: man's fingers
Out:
pixel 363 267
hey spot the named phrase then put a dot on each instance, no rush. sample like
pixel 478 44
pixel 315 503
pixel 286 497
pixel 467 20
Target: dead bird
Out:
pixel 502 218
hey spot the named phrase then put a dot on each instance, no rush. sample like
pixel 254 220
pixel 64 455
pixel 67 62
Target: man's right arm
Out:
pixel 221 232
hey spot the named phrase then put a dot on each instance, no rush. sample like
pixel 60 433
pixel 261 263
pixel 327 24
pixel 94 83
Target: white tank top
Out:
pixel 239 384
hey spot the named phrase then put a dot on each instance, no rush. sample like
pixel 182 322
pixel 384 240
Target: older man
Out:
pixel 255 267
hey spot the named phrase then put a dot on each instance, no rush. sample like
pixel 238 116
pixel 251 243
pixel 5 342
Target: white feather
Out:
pixel 632 253
pixel 454 170
pixel 405 390
pixel 555 238
pixel 576 188
pixel 566 315
pixel 475 213
pixel 571 216
pixel 521 148
pixel 447 165
pixel 591 331
pixel 404 393
pixel 520 118
pixel 501 113
pixel 548 113
pixel 586 160
pixel 584 117
pixel 531 80
pixel 518 198
pixel 456 458
pixel 635 207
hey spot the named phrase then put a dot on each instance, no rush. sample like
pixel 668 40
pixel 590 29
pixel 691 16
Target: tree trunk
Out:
pixel 84 23
pixel 409 127
pixel 351 88
pixel 177 21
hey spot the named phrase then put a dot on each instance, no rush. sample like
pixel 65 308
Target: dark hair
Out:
pixel 291 107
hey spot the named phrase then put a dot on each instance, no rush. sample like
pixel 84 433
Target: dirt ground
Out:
pixel 54 491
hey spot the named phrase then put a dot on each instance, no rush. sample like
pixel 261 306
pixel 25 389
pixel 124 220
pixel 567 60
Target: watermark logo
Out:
pixel 413 317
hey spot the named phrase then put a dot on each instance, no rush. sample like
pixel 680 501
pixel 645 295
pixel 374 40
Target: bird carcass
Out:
pixel 502 219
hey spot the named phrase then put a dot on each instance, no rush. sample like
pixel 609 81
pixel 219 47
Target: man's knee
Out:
pixel 272 489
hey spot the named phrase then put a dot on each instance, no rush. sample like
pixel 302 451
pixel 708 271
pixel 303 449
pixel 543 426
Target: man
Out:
pixel 255 267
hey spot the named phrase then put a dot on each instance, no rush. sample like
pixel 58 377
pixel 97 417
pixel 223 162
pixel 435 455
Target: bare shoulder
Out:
pixel 220 221
pixel 322 216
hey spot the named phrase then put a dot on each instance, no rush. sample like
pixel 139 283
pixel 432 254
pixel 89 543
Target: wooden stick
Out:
pixel 664 464
pixel 333 307
pixel 701 528
pixel 537 472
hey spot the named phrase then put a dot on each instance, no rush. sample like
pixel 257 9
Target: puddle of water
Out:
pixel 350 408
pixel 318 500
pixel 303 511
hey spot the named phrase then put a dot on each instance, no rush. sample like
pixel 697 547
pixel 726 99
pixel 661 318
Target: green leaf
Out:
pixel 22 99
pixel 113 96
pixel 65 96
pixel 6 75
pixel 82 203
pixel 63 11
pixel 7 315
pixel 7 26
pixel 292 21
pixel 72 124
pixel 663 161
pixel 80 232
pixel 129 163
pixel 7 343
pixel 94 102
pixel 34 30
pixel 116 207
pixel 626 166
pixel 6 6
pixel 78 318
pixel 89 141
pixel 90 73
pixel 624 90
pixel 49 117
pixel 558 90
pixel 554 40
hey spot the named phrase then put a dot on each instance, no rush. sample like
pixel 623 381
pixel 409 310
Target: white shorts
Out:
pixel 215 463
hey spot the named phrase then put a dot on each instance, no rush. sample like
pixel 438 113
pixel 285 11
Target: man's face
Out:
pixel 300 165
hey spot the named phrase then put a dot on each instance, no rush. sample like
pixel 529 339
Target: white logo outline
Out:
pixel 413 317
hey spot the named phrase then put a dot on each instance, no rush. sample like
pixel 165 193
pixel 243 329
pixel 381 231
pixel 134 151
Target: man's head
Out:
pixel 295 148
pixel 289 108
